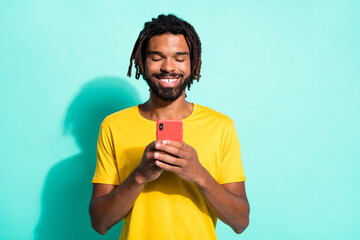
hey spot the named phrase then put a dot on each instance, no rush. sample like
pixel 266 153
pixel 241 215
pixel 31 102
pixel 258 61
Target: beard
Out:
pixel 168 94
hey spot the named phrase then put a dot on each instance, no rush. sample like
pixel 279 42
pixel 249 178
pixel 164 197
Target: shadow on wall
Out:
pixel 67 191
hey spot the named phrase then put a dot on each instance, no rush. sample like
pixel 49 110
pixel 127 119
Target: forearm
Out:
pixel 230 208
pixel 109 209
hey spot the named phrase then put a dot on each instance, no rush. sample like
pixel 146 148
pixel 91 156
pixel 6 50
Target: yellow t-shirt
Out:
pixel 168 207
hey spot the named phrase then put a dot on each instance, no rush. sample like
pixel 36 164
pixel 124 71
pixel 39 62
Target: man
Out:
pixel 166 189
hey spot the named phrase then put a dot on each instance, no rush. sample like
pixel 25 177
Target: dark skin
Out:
pixel 110 203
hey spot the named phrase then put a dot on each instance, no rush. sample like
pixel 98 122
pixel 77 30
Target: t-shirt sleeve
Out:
pixel 106 169
pixel 231 169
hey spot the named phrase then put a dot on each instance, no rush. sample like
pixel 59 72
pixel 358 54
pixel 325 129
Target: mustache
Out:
pixel 164 75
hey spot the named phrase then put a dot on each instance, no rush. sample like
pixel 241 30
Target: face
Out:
pixel 167 66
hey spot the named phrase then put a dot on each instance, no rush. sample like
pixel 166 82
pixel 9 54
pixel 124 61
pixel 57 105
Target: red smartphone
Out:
pixel 169 130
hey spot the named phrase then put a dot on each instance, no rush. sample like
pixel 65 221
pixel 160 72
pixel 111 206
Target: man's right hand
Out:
pixel 148 170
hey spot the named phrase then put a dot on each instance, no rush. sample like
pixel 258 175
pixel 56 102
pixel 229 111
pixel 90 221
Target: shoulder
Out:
pixel 121 117
pixel 213 115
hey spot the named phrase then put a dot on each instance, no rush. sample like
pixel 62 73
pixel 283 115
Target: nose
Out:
pixel 168 65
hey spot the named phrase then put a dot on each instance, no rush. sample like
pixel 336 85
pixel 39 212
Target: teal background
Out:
pixel 286 72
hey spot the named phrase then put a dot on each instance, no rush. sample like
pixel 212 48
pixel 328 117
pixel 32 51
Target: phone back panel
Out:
pixel 169 130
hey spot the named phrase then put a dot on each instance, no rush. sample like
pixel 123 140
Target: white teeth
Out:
pixel 168 80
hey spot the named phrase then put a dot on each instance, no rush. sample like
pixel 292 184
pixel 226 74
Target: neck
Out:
pixel 155 108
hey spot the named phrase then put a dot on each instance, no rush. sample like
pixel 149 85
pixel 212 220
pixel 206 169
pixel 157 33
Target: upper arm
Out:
pixel 242 205
pixel 106 171
pixel 231 168
pixel 100 190
pixel 237 188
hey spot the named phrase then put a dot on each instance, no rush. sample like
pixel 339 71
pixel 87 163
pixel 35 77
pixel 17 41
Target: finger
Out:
pixel 152 145
pixel 177 152
pixel 167 167
pixel 166 158
pixel 173 143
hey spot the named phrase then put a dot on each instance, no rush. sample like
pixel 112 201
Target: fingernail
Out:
pixel 157 145
pixel 156 155
pixel 165 142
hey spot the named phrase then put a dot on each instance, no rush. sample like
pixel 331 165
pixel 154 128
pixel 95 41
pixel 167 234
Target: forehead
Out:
pixel 167 43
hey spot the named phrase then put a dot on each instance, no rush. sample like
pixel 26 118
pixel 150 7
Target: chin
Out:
pixel 167 94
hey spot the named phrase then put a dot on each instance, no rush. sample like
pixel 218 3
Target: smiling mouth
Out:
pixel 168 80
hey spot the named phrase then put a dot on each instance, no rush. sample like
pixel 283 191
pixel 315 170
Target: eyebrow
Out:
pixel 182 53
pixel 161 54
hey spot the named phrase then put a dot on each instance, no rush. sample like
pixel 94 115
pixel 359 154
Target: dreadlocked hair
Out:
pixel 162 25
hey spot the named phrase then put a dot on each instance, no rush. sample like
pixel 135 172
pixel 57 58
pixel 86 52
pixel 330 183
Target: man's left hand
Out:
pixel 180 158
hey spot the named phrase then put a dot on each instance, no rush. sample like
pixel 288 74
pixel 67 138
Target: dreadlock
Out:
pixel 161 25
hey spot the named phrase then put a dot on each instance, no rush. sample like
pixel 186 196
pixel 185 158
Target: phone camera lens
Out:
pixel 161 126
